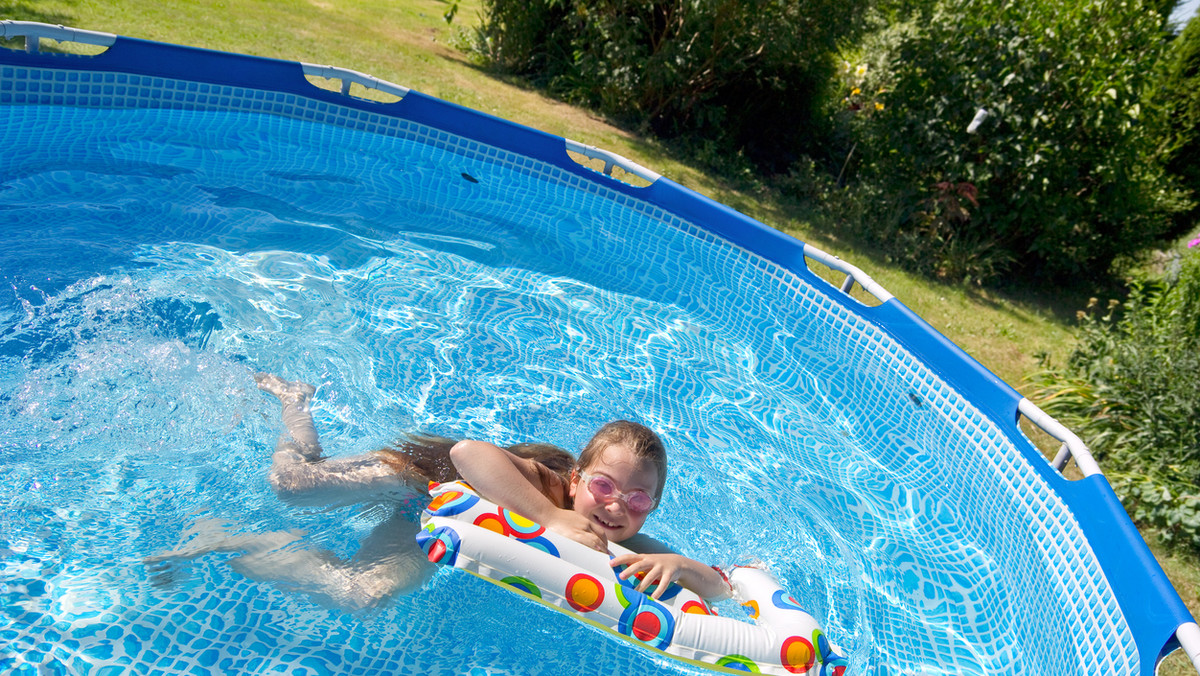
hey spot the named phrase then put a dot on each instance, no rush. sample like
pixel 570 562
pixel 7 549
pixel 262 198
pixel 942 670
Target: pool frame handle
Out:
pixel 33 33
pixel 349 77
pixel 853 274
pixel 1072 445
pixel 612 160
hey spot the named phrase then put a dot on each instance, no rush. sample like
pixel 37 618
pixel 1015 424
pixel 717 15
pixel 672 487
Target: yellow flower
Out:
pixel 855 92
pixel 878 106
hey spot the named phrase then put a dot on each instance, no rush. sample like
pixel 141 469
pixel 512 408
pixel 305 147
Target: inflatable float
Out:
pixel 463 530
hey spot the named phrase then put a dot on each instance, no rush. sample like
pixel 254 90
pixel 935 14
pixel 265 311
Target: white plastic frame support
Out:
pixel 1072 445
pixel 853 274
pixel 349 77
pixel 612 160
pixel 1189 640
pixel 33 33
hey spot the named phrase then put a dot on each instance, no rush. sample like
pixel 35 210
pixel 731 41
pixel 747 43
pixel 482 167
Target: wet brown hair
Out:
pixel 556 459
pixel 425 454
pixel 429 456
pixel 645 445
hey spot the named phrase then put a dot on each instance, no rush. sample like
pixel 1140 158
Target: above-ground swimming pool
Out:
pixel 175 220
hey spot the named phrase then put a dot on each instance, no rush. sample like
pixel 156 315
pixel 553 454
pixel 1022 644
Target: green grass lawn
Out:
pixel 408 43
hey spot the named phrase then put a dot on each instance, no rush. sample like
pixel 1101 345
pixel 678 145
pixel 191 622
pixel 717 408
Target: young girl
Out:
pixel 614 486
pixel 605 496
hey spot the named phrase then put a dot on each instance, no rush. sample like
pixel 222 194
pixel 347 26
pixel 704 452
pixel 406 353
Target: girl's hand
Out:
pixel 578 528
pixel 667 568
pixel 655 568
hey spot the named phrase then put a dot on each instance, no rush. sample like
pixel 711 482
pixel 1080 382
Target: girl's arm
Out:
pixel 512 482
pixel 666 568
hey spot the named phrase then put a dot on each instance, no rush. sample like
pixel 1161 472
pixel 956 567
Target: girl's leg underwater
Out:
pixel 300 475
pixel 299 439
pixel 388 562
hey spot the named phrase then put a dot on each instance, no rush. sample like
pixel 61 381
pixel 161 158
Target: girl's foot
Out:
pixel 203 536
pixel 288 392
pixel 208 535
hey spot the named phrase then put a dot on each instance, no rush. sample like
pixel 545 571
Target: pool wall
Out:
pixel 135 73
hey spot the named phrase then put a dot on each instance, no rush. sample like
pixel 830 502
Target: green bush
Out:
pixel 1131 391
pixel 743 75
pixel 1180 90
pixel 1064 171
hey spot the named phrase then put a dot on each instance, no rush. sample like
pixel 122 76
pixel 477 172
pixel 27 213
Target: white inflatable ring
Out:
pixel 463 530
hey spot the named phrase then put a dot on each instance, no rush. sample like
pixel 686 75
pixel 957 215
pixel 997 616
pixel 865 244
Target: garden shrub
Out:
pixel 1180 90
pixel 745 75
pixel 1064 171
pixel 1131 391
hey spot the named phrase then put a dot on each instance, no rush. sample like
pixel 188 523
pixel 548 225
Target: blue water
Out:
pixel 152 260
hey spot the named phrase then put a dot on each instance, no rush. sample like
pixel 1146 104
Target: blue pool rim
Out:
pixel 1150 604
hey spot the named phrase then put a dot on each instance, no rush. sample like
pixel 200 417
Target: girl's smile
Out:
pixel 629 473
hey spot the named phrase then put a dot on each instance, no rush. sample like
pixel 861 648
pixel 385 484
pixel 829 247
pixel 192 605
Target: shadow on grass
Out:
pixel 1059 301
pixel 30 11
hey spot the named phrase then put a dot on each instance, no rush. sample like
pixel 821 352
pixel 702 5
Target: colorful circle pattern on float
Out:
pixel 738 663
pixel 645 619
pixel 782 599
pixel 513 525
pixel 451 503
pixel 797 655
pixel 831 663
pixel 519 526
pixel 439 544
pixel 541 544
pixel 523 584
pixel 584 592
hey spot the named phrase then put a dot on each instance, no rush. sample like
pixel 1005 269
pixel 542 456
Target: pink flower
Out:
pixel 1194 243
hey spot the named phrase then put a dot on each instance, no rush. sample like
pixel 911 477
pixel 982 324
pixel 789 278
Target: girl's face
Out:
pixel 629 473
